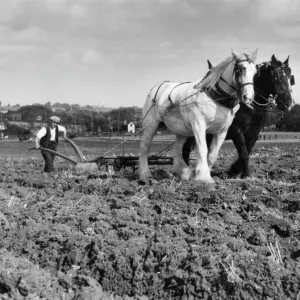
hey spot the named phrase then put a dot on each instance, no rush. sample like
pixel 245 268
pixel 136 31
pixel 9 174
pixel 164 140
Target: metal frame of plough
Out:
pixel 118 162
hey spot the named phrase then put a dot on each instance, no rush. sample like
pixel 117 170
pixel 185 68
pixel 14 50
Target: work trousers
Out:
pixel 49 157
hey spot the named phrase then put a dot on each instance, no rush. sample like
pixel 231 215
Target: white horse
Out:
pixel 197 108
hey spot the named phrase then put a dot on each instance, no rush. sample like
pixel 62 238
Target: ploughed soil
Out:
pixel 107 235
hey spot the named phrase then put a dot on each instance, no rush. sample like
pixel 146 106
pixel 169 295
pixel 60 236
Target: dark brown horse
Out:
pixel 273 78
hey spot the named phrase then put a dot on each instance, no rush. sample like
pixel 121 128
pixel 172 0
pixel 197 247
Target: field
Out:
pixel 107 235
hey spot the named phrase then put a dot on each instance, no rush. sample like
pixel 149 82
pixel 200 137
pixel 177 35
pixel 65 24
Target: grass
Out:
pixel 231 272
pixel 275 253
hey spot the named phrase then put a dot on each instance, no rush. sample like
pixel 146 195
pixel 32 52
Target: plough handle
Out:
pixel 77 150
pixel 56 153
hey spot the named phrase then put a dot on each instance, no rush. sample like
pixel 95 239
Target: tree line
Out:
pixel 290 121
pixel 83 117
pixel 115 119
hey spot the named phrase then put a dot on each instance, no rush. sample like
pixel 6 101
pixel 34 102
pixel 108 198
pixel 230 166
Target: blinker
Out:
pixel 292 80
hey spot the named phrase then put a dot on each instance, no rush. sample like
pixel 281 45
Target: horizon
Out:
pixel 110 53
pixel 61 103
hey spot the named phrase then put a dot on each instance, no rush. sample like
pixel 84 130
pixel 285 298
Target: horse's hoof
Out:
pixel 204 187
pixel 207 181
pixel 186 175
pixel 145 176
pixel 142 182
pixel 233 173
pixel 244 176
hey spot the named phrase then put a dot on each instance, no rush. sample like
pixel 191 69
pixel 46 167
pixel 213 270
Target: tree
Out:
pixel 30 113
pixel 75 107
pixel 291 120
pixel 123 113
pixel 100 120
pixel 65 116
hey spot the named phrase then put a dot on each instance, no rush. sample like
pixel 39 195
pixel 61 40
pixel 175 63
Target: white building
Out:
pixel 131 127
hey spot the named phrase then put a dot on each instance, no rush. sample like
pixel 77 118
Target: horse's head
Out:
pixel 244 71
pixel 282 80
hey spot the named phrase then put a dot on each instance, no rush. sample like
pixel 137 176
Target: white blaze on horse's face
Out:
pixel 245 70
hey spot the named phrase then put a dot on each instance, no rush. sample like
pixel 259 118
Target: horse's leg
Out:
pixel 250 141
pixel 179 166
pixel 190 145
pixel 202 172
pixel 243 159
pixel 214 143
pixel 209 138
pixel 187 148
pixel 147 137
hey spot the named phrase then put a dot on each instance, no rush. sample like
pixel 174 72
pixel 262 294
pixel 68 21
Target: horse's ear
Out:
pixel 254 55
pixel 197 86
pixel 234 54
pixel 273 58
pixel 286 62
pixel 210 66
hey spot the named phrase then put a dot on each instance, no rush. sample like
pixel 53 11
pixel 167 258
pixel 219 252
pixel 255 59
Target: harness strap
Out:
pixel 261 107
pixel 223 98
pixel 169 97
pixel 154 99
pixel 233 87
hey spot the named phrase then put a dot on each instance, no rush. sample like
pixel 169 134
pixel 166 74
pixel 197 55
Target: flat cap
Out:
pixel 55 119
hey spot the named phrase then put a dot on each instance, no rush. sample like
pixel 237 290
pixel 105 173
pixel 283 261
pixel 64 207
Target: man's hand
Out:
pixel 37 147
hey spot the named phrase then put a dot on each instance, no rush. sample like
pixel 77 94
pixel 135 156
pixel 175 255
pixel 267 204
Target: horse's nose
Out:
pixel 287 105
pixel 246 98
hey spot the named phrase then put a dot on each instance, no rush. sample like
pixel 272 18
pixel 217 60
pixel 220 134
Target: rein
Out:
pixel 265 107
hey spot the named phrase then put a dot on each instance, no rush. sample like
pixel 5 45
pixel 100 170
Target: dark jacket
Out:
pixel 45 140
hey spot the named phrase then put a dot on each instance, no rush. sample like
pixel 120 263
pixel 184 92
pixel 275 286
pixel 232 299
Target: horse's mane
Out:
pixel 216 72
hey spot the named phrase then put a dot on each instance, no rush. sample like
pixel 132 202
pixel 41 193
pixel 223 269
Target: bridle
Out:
pixel 237 72
pixel 268 100
pixel 223 97
pixel 277 75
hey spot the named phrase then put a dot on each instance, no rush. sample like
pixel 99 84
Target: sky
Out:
pixel 112 52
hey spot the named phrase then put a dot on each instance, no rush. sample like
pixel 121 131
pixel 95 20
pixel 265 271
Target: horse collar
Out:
pixel 222 97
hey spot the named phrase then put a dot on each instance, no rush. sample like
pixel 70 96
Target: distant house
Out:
pixel 58 108
pixel 131 127
pixel 3 130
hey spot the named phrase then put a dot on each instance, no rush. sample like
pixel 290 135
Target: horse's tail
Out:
pixel 148 106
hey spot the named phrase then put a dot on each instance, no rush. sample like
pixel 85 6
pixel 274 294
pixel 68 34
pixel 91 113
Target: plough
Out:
pixel 118 162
